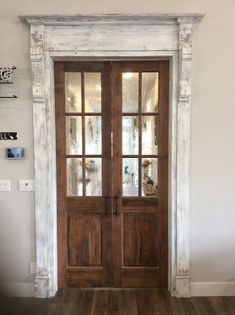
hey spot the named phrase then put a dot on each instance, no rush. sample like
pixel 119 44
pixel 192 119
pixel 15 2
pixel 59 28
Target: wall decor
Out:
pixel 8 135
pixel 6 78
pixel 16 153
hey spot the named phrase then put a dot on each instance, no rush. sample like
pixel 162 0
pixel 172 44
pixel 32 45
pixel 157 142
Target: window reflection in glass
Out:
pixel 92 92
pixel 149 176
pixel 149 135
pixel 150 92
pixel 93 134
pixel 74 176
pixel 130 177
pixel 72 91
pixel 130 85
pixel 73 135
pixel 93 177
pixel 130 135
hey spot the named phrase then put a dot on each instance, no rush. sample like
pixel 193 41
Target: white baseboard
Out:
pixel 212 288
pixel 18 289
pixel 197 289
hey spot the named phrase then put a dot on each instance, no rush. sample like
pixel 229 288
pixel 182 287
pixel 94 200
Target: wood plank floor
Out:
pixel 117 302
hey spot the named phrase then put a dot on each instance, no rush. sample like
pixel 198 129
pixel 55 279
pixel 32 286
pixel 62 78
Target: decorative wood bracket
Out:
pixel 6 78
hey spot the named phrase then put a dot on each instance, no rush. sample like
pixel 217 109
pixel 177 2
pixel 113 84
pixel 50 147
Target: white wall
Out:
pixel 213 134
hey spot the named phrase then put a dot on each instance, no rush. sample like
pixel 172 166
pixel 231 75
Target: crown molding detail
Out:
pixel 93 37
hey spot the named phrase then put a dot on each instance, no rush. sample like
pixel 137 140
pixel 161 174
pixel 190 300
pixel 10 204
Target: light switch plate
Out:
pixel 5 185
pixel 26 185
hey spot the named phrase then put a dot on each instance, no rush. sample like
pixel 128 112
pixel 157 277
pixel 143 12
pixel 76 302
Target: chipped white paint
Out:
pixel 96 37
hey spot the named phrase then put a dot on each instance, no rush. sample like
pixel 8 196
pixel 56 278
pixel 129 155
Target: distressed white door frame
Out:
pixel 109 37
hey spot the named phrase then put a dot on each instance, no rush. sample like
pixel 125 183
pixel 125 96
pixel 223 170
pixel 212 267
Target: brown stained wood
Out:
pixel 74 66
pixel 129 237
pixel 85 204
pixel 74 301
pixel 84 277
pixel 107 175
pixel 61 182
pixel 116 89
pixel 83 219
pixel 190 308
pixel 136 235
pixel 140 240
pixel 128 302
pixel 147 202
pixel 170 304
pixel 145 304
pixel 134 210
pixel 114 303
pixel 144 277
pixel 163 167
pixel 84 235
pixel 99 305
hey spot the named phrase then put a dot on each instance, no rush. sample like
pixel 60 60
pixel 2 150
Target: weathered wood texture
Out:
pixel 118 302
pixel 171 37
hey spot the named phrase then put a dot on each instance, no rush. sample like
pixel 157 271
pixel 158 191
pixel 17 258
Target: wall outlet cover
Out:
pixel 26 185
pixel 5 185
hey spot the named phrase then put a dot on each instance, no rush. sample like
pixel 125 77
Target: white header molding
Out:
pixel 108 37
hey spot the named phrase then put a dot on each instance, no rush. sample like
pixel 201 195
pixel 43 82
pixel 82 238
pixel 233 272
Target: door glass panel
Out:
pixel 149 176
pixel 149 135
pixel 73 92
pixel 130 135
pixel 93 134
pixel 74 176
pixel 92 92
pixel 130 86
pixel 130 177
pixel 149 91
pixel 73 135
pixel 93 177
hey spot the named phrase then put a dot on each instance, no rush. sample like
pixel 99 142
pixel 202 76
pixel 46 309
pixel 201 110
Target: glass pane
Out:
pixel 93 134
pixel 74 177
pixel 93 177
pixel 149 135
pixel 73 135
pixel 130 86
pixel 72 91
pixel 130 177
pixel 93 92
pixel 150 92
pixel 130 135
pixel 149 176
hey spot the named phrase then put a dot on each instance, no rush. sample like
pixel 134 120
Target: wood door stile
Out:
pixel 140 229
pixel 111 239
pixel 83 228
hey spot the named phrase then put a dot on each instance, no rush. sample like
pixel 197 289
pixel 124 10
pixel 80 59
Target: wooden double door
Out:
pixel 112 170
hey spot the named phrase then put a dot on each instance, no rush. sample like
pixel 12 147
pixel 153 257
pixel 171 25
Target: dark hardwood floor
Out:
pixel 118 302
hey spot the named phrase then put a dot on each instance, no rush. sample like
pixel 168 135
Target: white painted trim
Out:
pixel 18 289
pixel 213 288
pixel 107 37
